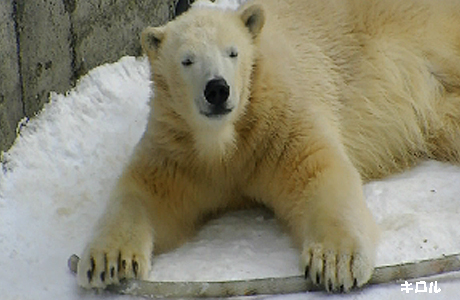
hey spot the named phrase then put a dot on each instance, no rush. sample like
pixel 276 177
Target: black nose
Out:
pixel 217 91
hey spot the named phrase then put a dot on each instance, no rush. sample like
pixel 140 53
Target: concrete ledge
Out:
pixel 46 45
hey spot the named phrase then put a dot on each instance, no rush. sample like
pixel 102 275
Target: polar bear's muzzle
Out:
pixel 217 93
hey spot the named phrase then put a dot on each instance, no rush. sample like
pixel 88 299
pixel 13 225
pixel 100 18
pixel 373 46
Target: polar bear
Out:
pixel 290 104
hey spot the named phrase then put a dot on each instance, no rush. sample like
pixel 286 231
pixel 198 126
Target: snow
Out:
pixel 55 180
pixel 226 4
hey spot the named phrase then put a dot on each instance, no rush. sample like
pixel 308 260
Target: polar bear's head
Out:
pixel 202 64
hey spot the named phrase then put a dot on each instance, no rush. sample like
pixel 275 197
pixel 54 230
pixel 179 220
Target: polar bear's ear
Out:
pixel 151 39
pixel 253 18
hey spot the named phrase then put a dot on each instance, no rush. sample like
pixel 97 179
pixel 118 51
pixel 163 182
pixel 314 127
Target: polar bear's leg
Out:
pixel 341 235
pixel 323 205
pixel 121 245
pixel 340 244
pixel 145 214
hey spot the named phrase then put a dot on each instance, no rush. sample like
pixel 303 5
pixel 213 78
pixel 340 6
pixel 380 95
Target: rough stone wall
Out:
pixel 11 106
pixel 45 45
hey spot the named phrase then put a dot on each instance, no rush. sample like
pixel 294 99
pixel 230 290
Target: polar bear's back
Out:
pixel 396 70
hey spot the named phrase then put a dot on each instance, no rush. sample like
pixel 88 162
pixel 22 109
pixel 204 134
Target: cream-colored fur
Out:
pixel 323 95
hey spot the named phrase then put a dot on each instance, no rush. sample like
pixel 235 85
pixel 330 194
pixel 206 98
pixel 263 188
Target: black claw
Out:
pixel 112 272
pixel 318 278
pixel 307 269
pixel 93 264
pixel 330 285
pixel 342 288
pixel 89 274
pixel 119 262
pixel 355 283
pixel 135 267
pixel 103 276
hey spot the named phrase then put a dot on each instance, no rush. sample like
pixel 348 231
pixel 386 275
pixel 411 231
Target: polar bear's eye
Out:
pixel 187 62
pixel 233 53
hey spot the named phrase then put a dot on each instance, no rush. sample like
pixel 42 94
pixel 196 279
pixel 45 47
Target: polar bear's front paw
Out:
pixel 338 270
pixel 100 267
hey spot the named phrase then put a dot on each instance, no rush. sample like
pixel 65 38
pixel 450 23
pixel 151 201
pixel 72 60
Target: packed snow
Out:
pixel 55 180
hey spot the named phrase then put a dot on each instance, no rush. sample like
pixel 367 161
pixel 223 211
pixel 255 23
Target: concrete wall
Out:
pixel 11 106
pixel 45 45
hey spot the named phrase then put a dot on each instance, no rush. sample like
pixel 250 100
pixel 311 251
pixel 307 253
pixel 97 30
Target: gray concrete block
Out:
pixel 105 30
pixel 45 52
pixel 11 108
pixel 46 45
